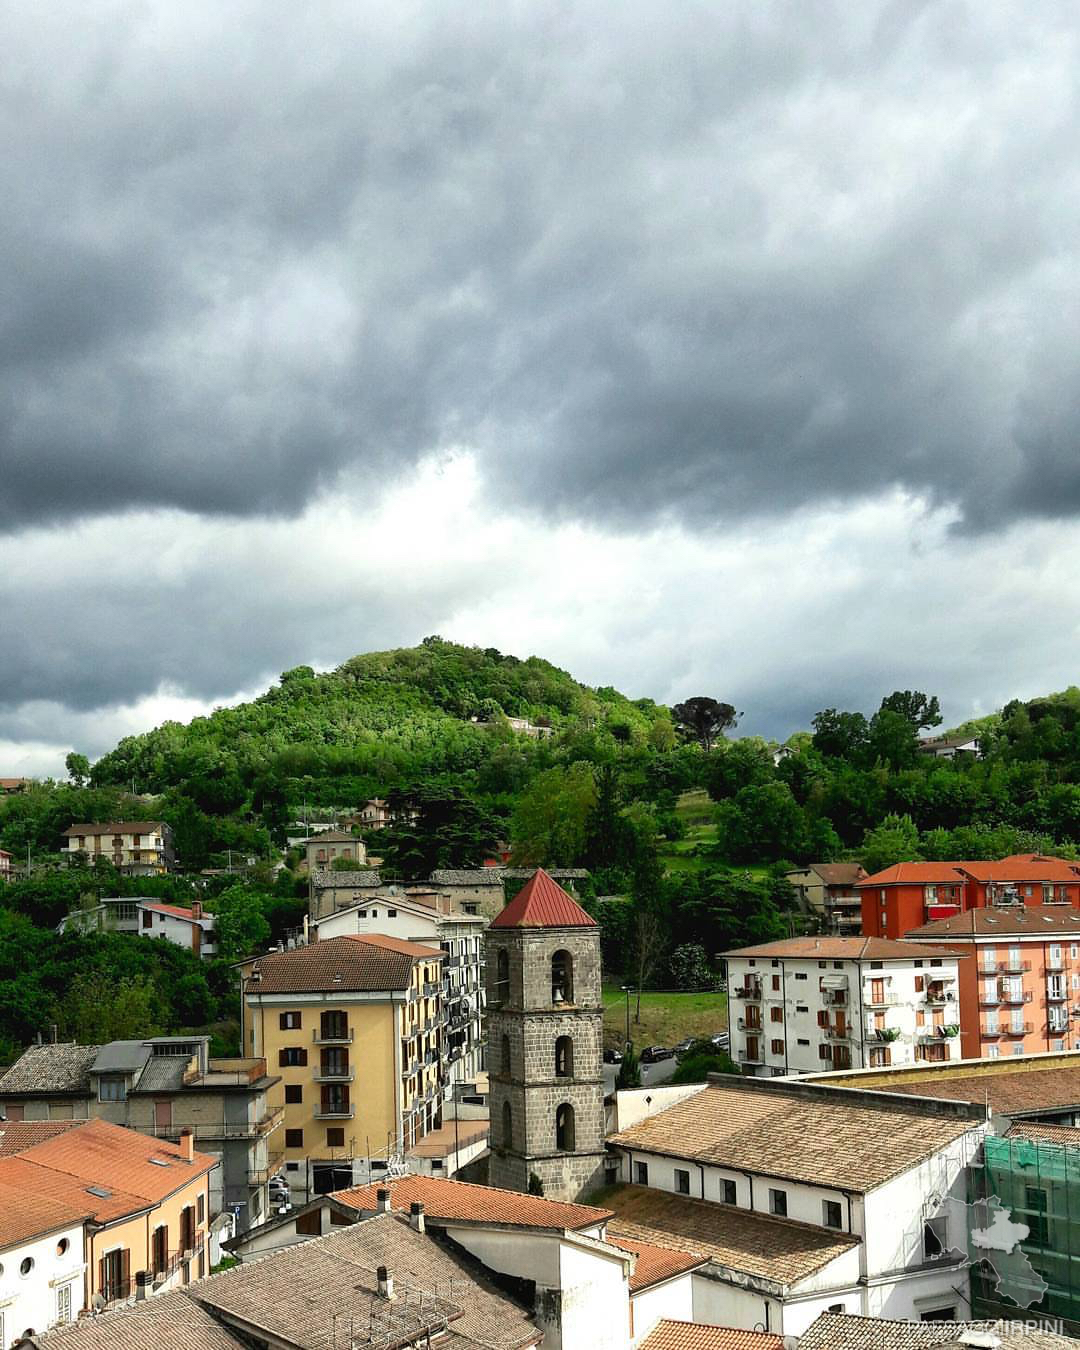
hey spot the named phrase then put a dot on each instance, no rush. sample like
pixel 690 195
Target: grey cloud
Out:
pixel 703 261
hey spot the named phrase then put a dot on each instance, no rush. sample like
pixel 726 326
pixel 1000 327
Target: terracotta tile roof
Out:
pixel 171 1321
pixel 844 948
pixel 789 1130
pixel 916 874
pixel 1008 1087
pixel 333 837
pixel 393 944
pixel 16 1136
pixel 349 963
pixel 97 1153
pixel 1038 921
pixel 655 1264
pixel 1067 1135
pixel 446 1199
pixel 1024 867
pixel 115 827
pixel 672 1335
pixel 26 1213
pixel 542 903
pixel 19 1173
pixel 779 1250
pixel 846 1331
pixel 299 1293
pixel 50 1069
pixel 177 911
pixel 835 874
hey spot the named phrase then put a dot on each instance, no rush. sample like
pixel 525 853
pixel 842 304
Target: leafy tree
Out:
pixel 703 720
pixel 99 1009
pixel 895 840
pixel 78 768
pixel 841 735
pixel 746 763
pixel 433 827
pixel 240 922
pixel 689 967
pixel 702 1059
pixel 918 710
pixel 629 1075
pixel 551 819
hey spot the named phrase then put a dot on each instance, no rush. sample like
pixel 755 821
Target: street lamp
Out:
pixel 627 989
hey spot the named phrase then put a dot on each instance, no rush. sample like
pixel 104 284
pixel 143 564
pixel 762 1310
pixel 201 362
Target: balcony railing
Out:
pixel 338 1112
pixel 752 1057
pixel 752 992
pixel 221 1130
pixel 335 1075
pixel 1015 996
pixel 1056 993
pixel 1010 966
pixel 1016 1029
pixel 990 1033
pixel 882 1000
pixel 745 1024
pixel 834 1033
pixel 336 1036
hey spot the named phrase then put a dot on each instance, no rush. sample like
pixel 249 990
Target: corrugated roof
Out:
pixel 757 1244
pixel 788 1130
pixel 352 963
pixel 846 948
pixel 446 1199
pixel 542 903
pixel 671 1335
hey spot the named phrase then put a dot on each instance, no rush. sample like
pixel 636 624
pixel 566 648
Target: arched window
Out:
pixel 508 1126
pixel 564 1057
pixel 504 1062
pixel 564 1128
pixel 562 978
pixel 502 976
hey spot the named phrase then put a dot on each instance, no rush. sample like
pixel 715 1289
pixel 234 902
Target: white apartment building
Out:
pixel 42 1263
pixel 806 1199
pixel 138 847
pixel 807 1004
pixel 460 936
pixel 146 917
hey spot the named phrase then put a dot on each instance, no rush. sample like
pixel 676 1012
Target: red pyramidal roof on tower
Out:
pixel 542 903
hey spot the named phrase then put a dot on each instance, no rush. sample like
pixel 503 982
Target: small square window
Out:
pixel 935 1237
pixel 294 1138
pixel 833 1214
pixel 335 1136
pixel 778 1203
pixel 641 1174
pixel 294 1094
pixel 682 1181
pixel 728 1193
pixel 292 1167
pixel 391 913
pixel 289 1021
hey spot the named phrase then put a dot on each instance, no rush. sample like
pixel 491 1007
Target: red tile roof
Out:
pixel 845 948
pixel 446 1199
pixel 369 963
pixel 1041 922
pixel 19 1174
pixel 542 903
pixel 655 1264
pixel 16 1136
pixel 393 944
pixel 916 874
pixel 1018 867
pixel 177 911
pixel 26 1213
pixel 671 1335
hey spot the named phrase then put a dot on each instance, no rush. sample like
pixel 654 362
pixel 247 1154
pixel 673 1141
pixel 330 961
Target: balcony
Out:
pixel 989 1000
pixel 250 1129
pixel 744 1024
pixel 1056 993
pixel 344 1036
pixel 335 1111
pixel 749 991
pixel 835 1033
pixel 1015 997
pixel 990 1033
pixel 752 1056
pixel 1011 966
pixel 937 997
pixel 1017 1029
pixel 1057 1028
pixel 882 1000
pixel 836 998
pixel 335 1075
pixel 431 988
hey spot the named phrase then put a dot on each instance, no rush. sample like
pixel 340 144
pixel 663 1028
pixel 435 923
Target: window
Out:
pixel 471 908
pixel 504 1062
pixel 63 1303
pixel 564 1128
pixel 564 1057
pixel 334 1026
pixel 823 965
pixel 159 1250
pixel 289 1021
pixel 641 1174
pixel 834 1215
pixel 935 1237
pixel 114 1274
pixel 502 977
pixel 778 1202
pixel 802 1041
pixel 62 1247
pixel 801 975
pixel 26 1265
pixel 939 1315
pixel 391 913
pixel 776 1014
pixel 112 1089
pixel 562 978
pixel 728 1193
pixel 776 983
pixel 335 1136
pixel 682 1181
pixel 294 1094
pixel 1035 1204
pixel 802 1007
pixel 294 1138
pixel 200 1208
pixel 507 1126
pixel 777 1047
pixel 292 1057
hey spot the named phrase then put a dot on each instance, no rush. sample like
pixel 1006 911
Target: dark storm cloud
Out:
pixel 702 260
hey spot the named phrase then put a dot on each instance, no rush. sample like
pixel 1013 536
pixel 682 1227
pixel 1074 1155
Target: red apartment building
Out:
pixel 909 895
pixel 1021 993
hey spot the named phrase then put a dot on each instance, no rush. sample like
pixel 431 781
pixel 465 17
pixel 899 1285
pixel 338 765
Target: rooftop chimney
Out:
pixel 416 1216
pixel 386 1283
pixel 196 909
pixel 382 1200
pixel 187 1145
pixel 142 1284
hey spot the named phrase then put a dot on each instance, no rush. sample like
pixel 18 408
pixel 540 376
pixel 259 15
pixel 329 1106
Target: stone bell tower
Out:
pixel 544 1042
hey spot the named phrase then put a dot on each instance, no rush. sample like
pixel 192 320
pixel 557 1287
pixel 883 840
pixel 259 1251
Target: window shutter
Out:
pixel 281 1059
pixel 303 1057
pixel 125 1271
pixel 282 1021
pixel 101 1277
pixel 919 983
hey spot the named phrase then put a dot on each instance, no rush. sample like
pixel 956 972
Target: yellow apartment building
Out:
pixel 355 1027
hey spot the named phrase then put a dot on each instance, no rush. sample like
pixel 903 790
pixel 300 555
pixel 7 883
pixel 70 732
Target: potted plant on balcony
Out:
pixel 888 1034
pixel 950 1030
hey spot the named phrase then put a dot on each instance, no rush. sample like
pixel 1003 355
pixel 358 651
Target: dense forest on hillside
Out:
pixel 605 785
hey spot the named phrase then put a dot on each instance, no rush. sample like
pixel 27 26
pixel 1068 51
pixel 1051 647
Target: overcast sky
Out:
pixel 710 348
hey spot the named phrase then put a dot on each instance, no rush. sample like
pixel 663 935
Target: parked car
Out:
pixel 684 1045
pixel 653 1054
pixel 721 1040
pixel 612 1056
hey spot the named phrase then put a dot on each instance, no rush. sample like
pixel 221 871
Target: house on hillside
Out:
pixel 5 865
pixel 950 747
pixel 828 890
pixel 9 786
pixel 137 847
pixel 321 850
pixel 144 916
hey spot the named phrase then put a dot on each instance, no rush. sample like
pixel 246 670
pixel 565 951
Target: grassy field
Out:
pixel 665 1018
pixel 696 810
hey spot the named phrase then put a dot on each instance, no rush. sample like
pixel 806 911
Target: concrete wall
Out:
pixel 673 1298
pixel 32 1300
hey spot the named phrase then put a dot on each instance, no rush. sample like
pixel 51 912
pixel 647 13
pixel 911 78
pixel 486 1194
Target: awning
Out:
pixel 834 981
